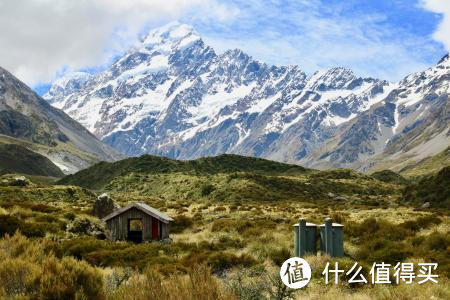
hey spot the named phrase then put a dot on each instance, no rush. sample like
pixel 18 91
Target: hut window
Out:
pixel 136 225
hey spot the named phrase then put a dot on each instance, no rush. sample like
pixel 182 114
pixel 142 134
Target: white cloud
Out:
pixel 40 37
pixel 442 34
pixel 316 35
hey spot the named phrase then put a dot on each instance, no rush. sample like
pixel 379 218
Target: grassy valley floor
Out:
pixel 232 231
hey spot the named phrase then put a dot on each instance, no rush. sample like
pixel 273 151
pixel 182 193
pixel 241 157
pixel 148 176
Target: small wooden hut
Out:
pixel 138 222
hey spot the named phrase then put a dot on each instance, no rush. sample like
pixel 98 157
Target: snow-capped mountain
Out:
pixel 410 124
pixel 173 95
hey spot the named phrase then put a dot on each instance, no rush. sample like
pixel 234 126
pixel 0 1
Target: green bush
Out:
pixel 70 216
pixel 85 226
pixel 181 223
pixel 220 262
pixel 226 225
pixel 39 229
pixel 70 279
pixel 436 241
pixel 28 272
pixel 220 208
pixel 206 189
pixel 279 255
pixel 381 250
pixel 43 208
pixel 422 222
pixel 9 224
pixel 46 218
pixel 79 247
pixel 225 242
pixel 371 229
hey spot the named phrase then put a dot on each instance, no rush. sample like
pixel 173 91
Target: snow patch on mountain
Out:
pixel 173 95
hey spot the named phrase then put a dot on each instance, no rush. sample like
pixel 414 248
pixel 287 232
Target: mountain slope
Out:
pixel 18 159
pixel 410 124
pixel 428 165
pixel 173 95
pixel 25 116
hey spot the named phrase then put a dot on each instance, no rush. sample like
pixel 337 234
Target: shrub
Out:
pixel 225 242
pixel 79 247
pixel 70 216
pixel 9 224
pixel 85 226
pixel 70 279
pixel 422 222
pixel 227 225
pixel 267 285
pixel 206 189
pixel 245 289
pixel 381 250
pixel 181 223
pixel 39 229
pixel 371 229
pixel 436 241
pixel 46 218
pixel 219 262
pixel 117 278
pixel 19 277
pixel 43 208
pixel 26 272
pixel 220 208
pixel 279 255
pixel 339 217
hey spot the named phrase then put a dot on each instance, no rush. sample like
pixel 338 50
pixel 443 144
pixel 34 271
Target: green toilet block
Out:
pixel 305 238
pixel 332 238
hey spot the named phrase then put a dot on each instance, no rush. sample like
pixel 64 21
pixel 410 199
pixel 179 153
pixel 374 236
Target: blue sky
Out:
pixel 383 39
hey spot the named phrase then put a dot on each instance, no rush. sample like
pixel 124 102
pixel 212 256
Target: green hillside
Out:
pixel 434 188
pixel 428 165
pixel 229 178
pixel 18 159
pixel 102 173
pixel 389 176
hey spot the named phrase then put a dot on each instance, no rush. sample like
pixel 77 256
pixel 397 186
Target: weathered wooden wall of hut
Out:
pixel 164 230
pixel 118 226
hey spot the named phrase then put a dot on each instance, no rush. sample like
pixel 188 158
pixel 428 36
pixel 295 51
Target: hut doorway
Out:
pixel 135 228
pixel 155 231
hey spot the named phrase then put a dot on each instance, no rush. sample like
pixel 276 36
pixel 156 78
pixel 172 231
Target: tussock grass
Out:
pixel 232 230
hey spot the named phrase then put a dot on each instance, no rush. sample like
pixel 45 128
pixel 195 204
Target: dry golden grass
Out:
pixel 198 284
pixel 266 243
pixel 378 292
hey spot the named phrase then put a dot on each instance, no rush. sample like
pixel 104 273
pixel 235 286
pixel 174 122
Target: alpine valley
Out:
pixel 38 139
pixel 173 95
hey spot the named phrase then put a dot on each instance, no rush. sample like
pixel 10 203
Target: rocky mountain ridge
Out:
pixel 31 122
pixel 174 96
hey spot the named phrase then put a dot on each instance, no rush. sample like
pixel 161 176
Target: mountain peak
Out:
pixel 69 82
pixel 444 59
pixel 335 78
pixel 72 76
pixel 175 33
pixel 235 53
